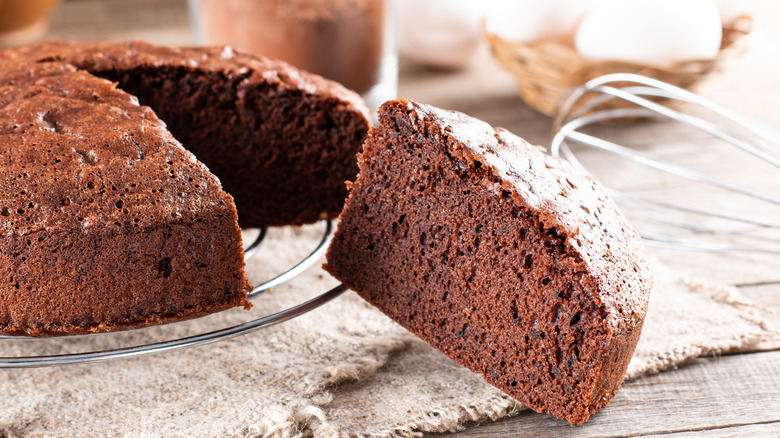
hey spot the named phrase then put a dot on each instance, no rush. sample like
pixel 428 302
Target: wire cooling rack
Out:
pixel 203 338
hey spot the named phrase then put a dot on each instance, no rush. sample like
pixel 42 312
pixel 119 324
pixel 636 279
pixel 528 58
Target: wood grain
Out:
pixel 766 293
pixel 720 396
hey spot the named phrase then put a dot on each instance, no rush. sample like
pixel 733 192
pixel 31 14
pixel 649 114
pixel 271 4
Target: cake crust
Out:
pixel 504 258
pixel 107 222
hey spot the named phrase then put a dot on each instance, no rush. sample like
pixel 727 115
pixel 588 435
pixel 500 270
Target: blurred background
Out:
pixel 482 49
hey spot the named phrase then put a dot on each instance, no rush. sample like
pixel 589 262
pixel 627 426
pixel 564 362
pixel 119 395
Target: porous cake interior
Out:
pixel 114 278
pixel 431 239
pixel 281 153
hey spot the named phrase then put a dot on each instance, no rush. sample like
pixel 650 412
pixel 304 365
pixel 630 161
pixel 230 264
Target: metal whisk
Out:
pixel 727 215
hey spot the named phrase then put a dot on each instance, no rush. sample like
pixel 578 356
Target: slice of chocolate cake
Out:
pixel 504 258
pixel 281 140
pixel 107 222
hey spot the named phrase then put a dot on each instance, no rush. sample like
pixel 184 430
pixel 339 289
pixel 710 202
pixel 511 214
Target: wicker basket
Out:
pixel 545 70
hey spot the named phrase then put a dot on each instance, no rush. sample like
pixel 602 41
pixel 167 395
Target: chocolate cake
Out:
pixel 281 140
pixel 504 258
pixel 107 222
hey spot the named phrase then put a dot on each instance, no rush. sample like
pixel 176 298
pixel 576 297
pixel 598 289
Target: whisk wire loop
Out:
pixel 644 97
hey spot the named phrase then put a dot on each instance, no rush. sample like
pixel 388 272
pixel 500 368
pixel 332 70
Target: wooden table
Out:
pixel 734 395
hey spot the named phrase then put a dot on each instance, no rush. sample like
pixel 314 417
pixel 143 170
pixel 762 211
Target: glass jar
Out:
pixel 348 41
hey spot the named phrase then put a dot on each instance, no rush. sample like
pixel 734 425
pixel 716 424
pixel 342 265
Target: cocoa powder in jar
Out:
pixel 342 40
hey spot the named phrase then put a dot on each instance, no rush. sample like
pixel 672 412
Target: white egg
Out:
pixel 523 21
pixel 440 33
pixel 652 32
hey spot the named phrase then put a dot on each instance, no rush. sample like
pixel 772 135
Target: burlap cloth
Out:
pixel 341 370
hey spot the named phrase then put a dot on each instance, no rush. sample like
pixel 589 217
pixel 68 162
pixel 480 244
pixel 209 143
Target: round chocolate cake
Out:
pixel 107 222
pixel 504 258
pixel 281 140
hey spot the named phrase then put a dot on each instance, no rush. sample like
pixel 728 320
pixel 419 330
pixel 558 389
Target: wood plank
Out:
pixel 769 429
pixel 161 22
pixel 739 392
pixel 766 293
pixel 724 268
